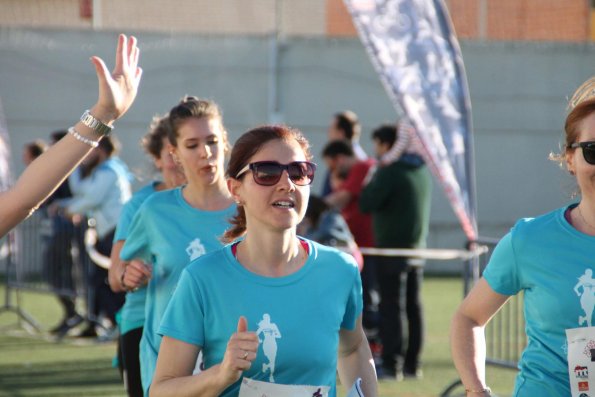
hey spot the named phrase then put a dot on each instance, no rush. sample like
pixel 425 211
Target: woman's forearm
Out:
pixel 467 340
pixel 114 273
pixel 42 177
pixel 359 363
pixel 205 384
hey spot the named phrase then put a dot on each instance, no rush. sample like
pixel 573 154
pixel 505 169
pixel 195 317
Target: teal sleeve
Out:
pixel 130 209
pixel 355 300
pixel 502 273
pixel 185 304
pixel 136 245
pixel 124 221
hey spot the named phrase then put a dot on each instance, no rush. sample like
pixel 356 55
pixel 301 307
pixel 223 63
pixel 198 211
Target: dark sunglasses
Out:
pixel 268 173
pixel 588 150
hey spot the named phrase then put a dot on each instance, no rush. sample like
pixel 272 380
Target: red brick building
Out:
pixel 545 20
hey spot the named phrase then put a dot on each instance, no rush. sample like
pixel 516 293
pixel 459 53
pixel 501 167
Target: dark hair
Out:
pixel 109 144
pixel 57 135
pixel 386 133
pixel 244 149
pixel 335 148
pixel 348 122
pixel 340 174
pixel 316 207
pixel 191 106
pixel 159 129
pixel 36 148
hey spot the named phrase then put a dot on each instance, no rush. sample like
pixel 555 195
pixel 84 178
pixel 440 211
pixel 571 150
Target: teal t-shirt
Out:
pixel 297 317
pixel 550 261
pixel 132 314
pixel 168 233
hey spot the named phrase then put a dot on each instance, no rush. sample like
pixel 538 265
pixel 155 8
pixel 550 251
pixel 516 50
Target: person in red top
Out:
pixel 343 164
pixel 349 174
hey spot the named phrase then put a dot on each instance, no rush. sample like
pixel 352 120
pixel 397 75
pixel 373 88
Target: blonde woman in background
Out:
pixel 543 258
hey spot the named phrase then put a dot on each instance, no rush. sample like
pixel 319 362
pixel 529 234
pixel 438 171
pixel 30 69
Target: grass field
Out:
pixel 34 365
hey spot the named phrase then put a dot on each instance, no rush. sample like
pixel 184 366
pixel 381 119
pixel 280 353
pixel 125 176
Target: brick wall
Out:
pixel 338 20
pixel 550 20
pixel 42 13
pixel 465 17
pixel 219 17
pixel 303 17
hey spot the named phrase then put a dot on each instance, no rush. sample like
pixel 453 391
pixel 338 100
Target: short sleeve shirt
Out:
pixel 552 263
pixel 169 233
pixel 297 317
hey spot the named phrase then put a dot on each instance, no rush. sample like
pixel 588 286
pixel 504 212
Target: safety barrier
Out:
pixel 46 255
pixel 505 333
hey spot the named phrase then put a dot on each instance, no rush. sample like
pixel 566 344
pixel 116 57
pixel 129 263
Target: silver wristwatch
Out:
pixel 95 124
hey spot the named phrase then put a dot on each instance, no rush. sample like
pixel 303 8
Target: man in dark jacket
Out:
pixel 399 198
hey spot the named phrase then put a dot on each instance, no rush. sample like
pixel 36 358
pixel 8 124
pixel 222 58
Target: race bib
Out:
pixel 581 361
pixel 256 388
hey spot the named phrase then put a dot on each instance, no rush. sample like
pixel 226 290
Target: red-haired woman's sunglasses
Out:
pixel 268 173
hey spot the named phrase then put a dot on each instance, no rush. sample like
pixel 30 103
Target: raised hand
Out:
pixel 241 351
pixel 117 89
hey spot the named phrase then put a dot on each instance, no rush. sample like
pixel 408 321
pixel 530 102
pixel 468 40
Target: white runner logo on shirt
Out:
pixel 270 333
pixel 195 249
pixel 585 289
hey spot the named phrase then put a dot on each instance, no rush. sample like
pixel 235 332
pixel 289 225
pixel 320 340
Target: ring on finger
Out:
pixel 245 355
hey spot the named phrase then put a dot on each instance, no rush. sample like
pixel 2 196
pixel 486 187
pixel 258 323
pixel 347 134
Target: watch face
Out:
pixel 88 120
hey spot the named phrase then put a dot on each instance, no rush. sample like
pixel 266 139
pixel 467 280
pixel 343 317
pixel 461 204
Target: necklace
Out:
pixel 583 217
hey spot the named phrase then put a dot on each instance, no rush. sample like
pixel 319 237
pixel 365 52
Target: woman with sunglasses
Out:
pixel 174 227
pixel 273 313
pixel 551 260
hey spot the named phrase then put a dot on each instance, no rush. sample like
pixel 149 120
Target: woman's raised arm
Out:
pixel 117 91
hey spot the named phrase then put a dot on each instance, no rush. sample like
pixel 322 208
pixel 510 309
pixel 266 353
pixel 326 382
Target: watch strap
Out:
pixel 95 124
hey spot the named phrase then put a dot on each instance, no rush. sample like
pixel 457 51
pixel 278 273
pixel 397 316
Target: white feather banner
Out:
pixel 413 48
